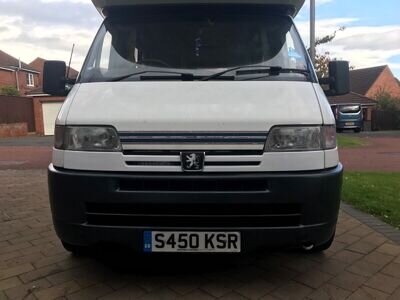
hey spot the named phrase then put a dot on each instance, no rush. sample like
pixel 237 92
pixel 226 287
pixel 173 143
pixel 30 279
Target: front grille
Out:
pixel 162 150
pixel 194 215
pixel 189 141
pixel 188 184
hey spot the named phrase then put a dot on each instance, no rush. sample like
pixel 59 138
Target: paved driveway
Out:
pixel 362 264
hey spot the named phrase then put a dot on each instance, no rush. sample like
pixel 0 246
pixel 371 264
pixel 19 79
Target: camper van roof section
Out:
pixel 101 5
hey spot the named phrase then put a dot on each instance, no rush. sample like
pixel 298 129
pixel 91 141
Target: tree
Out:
pixel 385 101
pixel 9 91
pixel 322 60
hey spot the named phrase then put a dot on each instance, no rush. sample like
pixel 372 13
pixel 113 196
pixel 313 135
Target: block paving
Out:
pixel 362 263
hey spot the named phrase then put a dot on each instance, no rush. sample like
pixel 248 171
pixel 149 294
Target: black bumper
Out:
pixel 269 209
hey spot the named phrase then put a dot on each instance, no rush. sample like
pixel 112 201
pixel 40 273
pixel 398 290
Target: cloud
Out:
pixel 363 46
pixel 48 28
pixel 377 38
pixel 38 12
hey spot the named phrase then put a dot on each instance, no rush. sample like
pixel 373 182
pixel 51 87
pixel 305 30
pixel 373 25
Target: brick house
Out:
pixel 18 74
pixel 364 85
pixel 369 81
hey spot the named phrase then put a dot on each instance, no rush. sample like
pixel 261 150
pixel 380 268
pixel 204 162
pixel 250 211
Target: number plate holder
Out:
pixel 201 242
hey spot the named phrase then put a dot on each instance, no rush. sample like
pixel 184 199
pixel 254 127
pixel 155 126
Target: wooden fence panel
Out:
pixel 385 120
pixel 17 110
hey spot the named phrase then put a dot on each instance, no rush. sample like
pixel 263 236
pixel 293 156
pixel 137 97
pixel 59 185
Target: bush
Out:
pixel 387 114
pixel 9 91
pixel 386 102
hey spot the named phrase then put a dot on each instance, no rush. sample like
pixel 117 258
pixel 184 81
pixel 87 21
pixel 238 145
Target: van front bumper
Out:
pixel 274 210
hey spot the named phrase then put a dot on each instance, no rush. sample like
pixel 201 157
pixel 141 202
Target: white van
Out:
pixel 196 126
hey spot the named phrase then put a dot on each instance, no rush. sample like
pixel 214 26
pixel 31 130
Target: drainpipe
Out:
pixel 17 74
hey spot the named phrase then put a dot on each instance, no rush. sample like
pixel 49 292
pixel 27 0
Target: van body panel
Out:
pixel 58 157
pixel 63 114
pixel 295 5
pixel 326 111
pixel 331 158
pixel 195 106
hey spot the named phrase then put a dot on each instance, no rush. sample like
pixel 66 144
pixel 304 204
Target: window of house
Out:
pixel 30 80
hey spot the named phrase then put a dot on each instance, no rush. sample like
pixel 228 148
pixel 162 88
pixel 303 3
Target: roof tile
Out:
pixel 9 61
pixel 361 80
pixel 351 98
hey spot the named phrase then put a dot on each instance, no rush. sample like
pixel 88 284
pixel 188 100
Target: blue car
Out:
pixel 349 117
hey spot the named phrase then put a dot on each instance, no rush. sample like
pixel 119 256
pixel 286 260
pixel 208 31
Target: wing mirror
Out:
pixel 54 80
pixel 339 78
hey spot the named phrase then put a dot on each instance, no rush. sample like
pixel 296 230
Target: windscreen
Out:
pixel 200 41
pixel 350 109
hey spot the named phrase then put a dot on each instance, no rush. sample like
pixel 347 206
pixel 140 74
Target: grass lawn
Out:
pixel 346 141
pixel 375 193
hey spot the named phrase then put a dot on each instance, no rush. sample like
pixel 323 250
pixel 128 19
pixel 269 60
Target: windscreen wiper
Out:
pixel 183 76
pixel 273 72
pixel 256 68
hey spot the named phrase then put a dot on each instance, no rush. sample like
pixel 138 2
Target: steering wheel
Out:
pixel 156 61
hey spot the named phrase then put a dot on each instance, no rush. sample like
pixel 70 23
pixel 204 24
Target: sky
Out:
pixel 48 28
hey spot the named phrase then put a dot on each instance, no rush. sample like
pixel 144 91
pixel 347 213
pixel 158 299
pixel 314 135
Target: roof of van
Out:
pixel 102 5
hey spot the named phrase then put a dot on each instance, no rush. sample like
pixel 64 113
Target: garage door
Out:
pixel 50 112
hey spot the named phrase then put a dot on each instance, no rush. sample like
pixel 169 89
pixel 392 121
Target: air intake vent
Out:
pixel 194 215
pixel 193 185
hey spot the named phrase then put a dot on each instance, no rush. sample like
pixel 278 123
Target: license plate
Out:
pixel 162 241
pixel 349 123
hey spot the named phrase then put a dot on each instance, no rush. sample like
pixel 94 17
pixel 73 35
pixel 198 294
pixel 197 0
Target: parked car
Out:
pixel 196 128
pixel 349 117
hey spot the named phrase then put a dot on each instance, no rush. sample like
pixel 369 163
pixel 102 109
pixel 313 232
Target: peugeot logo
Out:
pixel 192 161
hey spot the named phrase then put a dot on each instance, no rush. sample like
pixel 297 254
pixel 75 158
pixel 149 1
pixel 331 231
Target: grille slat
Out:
pixel 207 153
pixel 178 164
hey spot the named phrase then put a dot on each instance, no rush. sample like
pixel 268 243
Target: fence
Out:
pixel 17 110
pixel 385 120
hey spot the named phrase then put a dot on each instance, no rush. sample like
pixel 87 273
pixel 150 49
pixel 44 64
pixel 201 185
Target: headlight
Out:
pixel 87 138
pixel 301 138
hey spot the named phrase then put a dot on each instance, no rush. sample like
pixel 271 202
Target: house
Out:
pixel 15 73
pixel 365 84
pixel 370 81
pixel 46 107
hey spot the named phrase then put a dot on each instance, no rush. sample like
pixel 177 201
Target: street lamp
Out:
pixel 312 31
